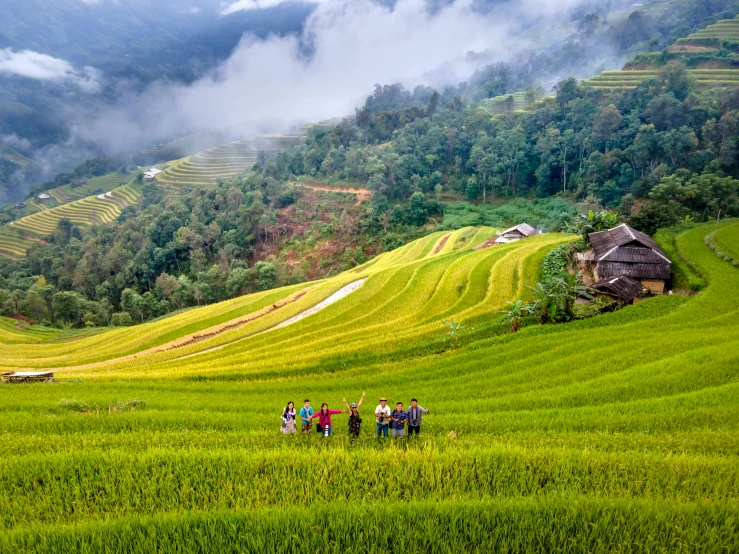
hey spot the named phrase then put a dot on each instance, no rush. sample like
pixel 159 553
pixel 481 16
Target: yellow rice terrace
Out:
pixel 615 433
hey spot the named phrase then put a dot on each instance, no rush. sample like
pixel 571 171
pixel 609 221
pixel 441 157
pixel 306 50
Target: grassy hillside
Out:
pixel 613 434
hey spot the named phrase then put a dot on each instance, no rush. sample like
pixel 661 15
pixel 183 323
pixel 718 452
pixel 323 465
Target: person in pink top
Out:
pixel 324 419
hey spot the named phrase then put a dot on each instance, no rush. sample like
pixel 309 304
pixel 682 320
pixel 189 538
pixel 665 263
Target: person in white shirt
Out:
pixel 382 416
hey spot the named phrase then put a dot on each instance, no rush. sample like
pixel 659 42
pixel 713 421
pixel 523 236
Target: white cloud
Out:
pixel 245 5
pixel 42 67
pixel 268 84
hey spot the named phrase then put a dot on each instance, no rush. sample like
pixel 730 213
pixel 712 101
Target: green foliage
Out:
pixel 612 433
pixel 592 222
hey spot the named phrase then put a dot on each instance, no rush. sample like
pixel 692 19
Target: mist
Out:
pixel 274 84
pixel 344 49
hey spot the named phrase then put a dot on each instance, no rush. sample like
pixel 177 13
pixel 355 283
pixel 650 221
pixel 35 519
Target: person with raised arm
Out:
pixel 354 420
pixel 324 420
pixel 415 417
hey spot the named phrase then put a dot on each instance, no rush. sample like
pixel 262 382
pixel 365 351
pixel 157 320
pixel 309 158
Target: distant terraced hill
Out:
pixel 628 79
pixel 233 158
pixel 543 36
pixel 712 37
pixel 712 55
pixel 18 236
pixel 76 191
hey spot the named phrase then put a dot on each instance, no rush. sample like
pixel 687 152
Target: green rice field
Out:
pixel 68 193
pixel 629 79
pixel 713 35
pixel 613 434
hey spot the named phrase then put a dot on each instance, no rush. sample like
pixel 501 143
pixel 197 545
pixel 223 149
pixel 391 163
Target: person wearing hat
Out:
pixel 382 416
pixel 354 420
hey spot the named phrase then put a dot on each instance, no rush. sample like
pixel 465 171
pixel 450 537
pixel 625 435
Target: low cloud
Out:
pixel 42 67
pixel 272 84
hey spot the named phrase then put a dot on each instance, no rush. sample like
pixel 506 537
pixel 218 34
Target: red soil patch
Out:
pixel 361 193
pixel 487 244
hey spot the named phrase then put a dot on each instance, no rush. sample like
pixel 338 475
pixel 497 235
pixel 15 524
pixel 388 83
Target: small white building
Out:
pixel 151 174
pixel 44 196
pixel 521 231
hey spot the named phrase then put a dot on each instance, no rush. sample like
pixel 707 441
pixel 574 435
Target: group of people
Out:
pixel 399 421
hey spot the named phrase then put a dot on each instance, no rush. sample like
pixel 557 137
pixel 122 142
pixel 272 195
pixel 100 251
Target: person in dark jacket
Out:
pixel 415 417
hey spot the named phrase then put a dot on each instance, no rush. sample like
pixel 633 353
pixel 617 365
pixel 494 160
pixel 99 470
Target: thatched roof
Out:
pixel 624 287
pixel 626 251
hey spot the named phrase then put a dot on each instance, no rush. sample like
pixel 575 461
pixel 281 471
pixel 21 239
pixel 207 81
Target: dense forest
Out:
pixel 659 154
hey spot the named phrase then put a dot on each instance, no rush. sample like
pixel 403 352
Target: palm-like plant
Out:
pixel 514 315
pixel 454 330
pixel 592 222
pixel 554 301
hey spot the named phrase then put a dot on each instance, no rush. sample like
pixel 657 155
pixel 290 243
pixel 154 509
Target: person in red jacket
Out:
pixel 324 419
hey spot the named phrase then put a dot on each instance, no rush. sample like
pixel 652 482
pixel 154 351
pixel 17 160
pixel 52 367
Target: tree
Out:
pixel 266 275
pixel 433 104
pixel 132 303
pixel 121 319
pixel 166 285
pixel 676 79
pixel 67 306
pixel 592 222
pixel 608 121
pixel 554 300
pixel 237 282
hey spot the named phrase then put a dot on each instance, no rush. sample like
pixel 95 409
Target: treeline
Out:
pixel 653 146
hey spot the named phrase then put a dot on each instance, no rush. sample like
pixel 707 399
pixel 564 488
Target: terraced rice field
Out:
pixel 68 193
pixel 18 236
pixel 497 103
pixel 14 243
pixel 621 80
pixel 225 160
pixel 713 35
pixel 232 159
pixel 615 434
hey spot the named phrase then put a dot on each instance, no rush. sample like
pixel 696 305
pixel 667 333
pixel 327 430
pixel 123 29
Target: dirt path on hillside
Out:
pixel 335 297
pixel 361 194
pixel 191 339
pixel 487 244
pixel 441 245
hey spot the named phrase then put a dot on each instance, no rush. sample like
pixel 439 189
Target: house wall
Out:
pixel 654 286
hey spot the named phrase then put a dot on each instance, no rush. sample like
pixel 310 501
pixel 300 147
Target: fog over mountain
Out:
pixel 238 68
